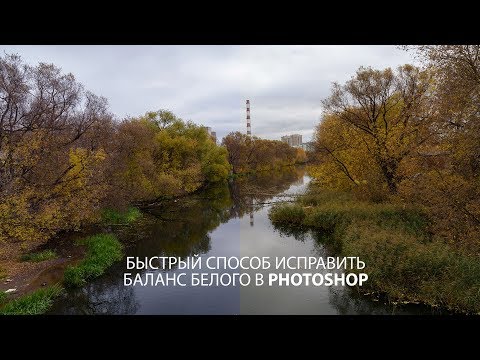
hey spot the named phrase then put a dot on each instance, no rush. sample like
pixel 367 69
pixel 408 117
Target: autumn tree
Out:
pixel 410 136
pixel 241 151
pixel 63 158
pixel 300 156
pixel 247 153
pixel 159 155
pixel 343 160
pixel 52 135
pixel 448 177
pixel 457 97
pixel 379 117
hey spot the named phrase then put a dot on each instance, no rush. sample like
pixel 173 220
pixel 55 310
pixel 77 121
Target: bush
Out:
pixel 102 251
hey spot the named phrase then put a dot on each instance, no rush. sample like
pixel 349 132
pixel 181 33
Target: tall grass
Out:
pixel 402 259
pixel 102 251
pixel 111 216
pixel 35 303
pixel 39 256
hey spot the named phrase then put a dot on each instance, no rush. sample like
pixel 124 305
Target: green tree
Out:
pixel 160 155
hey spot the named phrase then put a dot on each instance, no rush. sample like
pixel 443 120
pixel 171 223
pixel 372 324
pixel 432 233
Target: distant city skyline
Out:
pixel 209 84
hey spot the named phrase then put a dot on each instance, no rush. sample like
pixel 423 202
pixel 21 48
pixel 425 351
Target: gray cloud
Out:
pixel 209 84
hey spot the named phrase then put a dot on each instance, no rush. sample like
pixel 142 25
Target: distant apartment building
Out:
pixel 308 146
pixel 212 134
pixel 294 140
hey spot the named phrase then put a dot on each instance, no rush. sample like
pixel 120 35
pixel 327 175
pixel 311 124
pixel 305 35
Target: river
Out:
pixel 225 220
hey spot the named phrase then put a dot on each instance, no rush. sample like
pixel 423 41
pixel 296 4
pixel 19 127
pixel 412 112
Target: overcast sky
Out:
pixel 209 84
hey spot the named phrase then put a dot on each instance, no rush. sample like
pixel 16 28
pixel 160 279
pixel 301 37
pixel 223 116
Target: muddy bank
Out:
pixel 27 276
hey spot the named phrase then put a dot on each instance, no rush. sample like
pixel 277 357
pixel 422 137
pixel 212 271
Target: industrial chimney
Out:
pixel 249 126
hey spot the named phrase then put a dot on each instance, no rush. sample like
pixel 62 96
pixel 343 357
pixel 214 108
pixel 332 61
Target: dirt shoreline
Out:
pixel 27 276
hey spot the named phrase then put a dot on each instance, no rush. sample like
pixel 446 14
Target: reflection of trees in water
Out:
pixel 321 241
pixel 323 244
pixel 106 295
pixel 299 181
pixel 346 302
pixel 181 227
pixel 298 234
pixel 350 301
pixel 249 193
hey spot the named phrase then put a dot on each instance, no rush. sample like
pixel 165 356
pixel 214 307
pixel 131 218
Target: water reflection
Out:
pixel 182 227
pixel 252 192
pixel 105 297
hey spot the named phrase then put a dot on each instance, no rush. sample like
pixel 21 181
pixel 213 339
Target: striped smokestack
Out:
pixel 249 125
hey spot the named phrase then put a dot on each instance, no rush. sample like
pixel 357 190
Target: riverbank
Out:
pixel 25 276
pixel 404 262
pixel 221 221
pixel 251 172
pixel 69 259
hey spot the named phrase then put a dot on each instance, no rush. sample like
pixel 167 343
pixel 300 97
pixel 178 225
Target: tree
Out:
pixel 238 148
pixel 390 113
pixel 160 155
pixel 344 162
pixel 52 136
pixel 410 136
pixel 63 158
pixel 254 154
pixel 448 177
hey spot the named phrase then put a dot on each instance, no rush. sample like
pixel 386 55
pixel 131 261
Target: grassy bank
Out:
pixel 402 259
pixel 102 251
pixel 115 217
pixel 39 256
pixel 35 303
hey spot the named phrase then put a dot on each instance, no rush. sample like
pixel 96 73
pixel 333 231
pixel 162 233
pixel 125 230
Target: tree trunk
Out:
pixel 389 169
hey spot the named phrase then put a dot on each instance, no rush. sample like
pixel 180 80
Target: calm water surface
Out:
pixel 225 220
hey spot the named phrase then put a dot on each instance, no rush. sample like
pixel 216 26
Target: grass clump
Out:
pixel 3 296
pixel 39 256
pixel 115 217
pixel 35 303
pixel 403 260
pixel 102 251
pixel 292 215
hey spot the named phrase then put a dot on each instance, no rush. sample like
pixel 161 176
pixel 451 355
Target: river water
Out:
pixel 225 220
